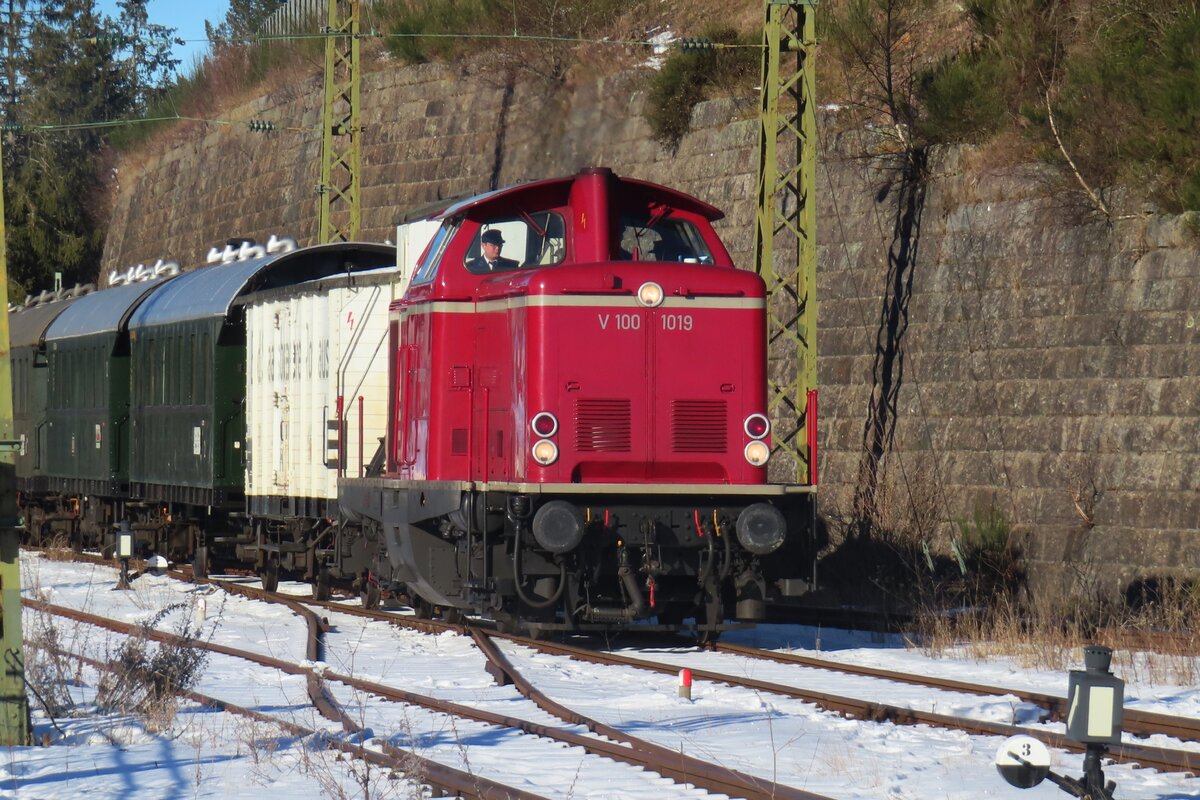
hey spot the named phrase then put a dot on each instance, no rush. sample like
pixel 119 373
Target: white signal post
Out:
pixel 1096 701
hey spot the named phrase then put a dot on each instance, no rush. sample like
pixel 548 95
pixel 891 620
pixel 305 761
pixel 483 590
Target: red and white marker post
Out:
pixel 685 683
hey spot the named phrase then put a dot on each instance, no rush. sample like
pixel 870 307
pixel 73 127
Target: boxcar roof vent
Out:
pixel 280 244
pixel 236 250
pixel 78 290
pixel 141 272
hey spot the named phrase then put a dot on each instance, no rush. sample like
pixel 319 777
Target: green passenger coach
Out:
pixel 27 340
pixel 87 408
pixel 188 347
pixel 130 403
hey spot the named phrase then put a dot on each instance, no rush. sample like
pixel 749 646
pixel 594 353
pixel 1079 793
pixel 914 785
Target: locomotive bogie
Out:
pixel 589 557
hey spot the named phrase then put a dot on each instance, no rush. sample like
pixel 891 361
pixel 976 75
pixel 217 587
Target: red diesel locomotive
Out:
pixel 564 394
pixel 577 432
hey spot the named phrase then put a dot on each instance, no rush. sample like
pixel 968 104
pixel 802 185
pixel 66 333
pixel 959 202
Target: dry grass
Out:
pixel 50 674
pixel 59 549
pixel 1157 643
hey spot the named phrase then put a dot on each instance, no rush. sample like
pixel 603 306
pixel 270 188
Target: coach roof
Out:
pixel 27 326
pixel 211 291
pixel 106 311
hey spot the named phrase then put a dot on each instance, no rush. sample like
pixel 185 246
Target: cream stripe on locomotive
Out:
pixel 590 301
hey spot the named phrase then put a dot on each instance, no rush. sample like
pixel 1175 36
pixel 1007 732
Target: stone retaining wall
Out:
pixel 995 345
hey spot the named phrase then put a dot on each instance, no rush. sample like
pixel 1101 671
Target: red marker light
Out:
pixel 544 424
pixel 757 426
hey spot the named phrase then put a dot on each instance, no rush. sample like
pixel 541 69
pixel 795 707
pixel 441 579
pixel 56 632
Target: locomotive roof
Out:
pixel 560 188
pixel 211 291
pixel 27 326
pixel 105 311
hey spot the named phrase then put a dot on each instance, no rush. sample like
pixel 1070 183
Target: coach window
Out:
pixel 529 240
pixel 433 256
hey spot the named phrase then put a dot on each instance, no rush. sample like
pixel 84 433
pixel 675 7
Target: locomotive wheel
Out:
pixel 422 608
pixel 200 563
pixel 370 594
pixel 533 632
pixel 270 577
pixel 323 586
pixel 505 622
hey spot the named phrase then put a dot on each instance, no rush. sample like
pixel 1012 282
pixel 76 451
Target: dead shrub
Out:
pixel 145 679
pixel 49 671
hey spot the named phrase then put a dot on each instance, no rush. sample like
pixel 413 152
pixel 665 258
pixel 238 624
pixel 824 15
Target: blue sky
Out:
pixel 186 16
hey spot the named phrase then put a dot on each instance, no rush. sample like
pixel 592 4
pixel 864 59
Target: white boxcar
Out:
pixel 316 375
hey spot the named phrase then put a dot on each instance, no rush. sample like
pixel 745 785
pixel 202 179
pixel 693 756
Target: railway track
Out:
pixel 390 757
pixel 1143 723
pixel 615 746
pixel 1140 723
pixel 1162 759
pixel 434 774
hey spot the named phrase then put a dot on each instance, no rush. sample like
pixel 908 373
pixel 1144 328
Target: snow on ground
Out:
pixel 208 754
pixel 660 44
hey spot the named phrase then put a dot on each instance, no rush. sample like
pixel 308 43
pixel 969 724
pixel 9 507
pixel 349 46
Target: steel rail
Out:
pixel 1137 722
pixel 1162 759
pixel 393 758
pixel 432 773
pixel 670 763
pixel 676 766
pixel 1159 758
pixel 642 754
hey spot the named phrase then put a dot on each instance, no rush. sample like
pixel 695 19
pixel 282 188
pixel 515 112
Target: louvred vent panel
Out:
pixel 602 426
pixel 699 426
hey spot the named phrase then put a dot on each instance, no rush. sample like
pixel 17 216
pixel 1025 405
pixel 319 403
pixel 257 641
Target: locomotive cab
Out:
pixel 578 428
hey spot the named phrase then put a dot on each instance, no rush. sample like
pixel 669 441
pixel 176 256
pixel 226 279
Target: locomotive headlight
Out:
pixel 544 424
pixel 650 294
pixel 757 453
pixel 545 452
pixel 757 426
pixel 761 528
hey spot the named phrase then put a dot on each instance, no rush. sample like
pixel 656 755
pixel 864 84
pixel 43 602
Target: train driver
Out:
pixel 491 260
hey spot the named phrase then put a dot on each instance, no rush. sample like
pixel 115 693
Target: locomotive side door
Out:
pixel 492 411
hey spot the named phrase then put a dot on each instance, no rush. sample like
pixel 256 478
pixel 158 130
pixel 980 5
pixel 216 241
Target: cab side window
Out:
pixel 433 256
pixel 526 241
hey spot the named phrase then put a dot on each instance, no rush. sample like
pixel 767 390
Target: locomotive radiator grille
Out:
pixel 602 426
pixel 699 426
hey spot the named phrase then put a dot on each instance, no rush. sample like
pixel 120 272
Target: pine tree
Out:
pixel 68 80
pixel 242 21
pixel 149 62
pixel 77 68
